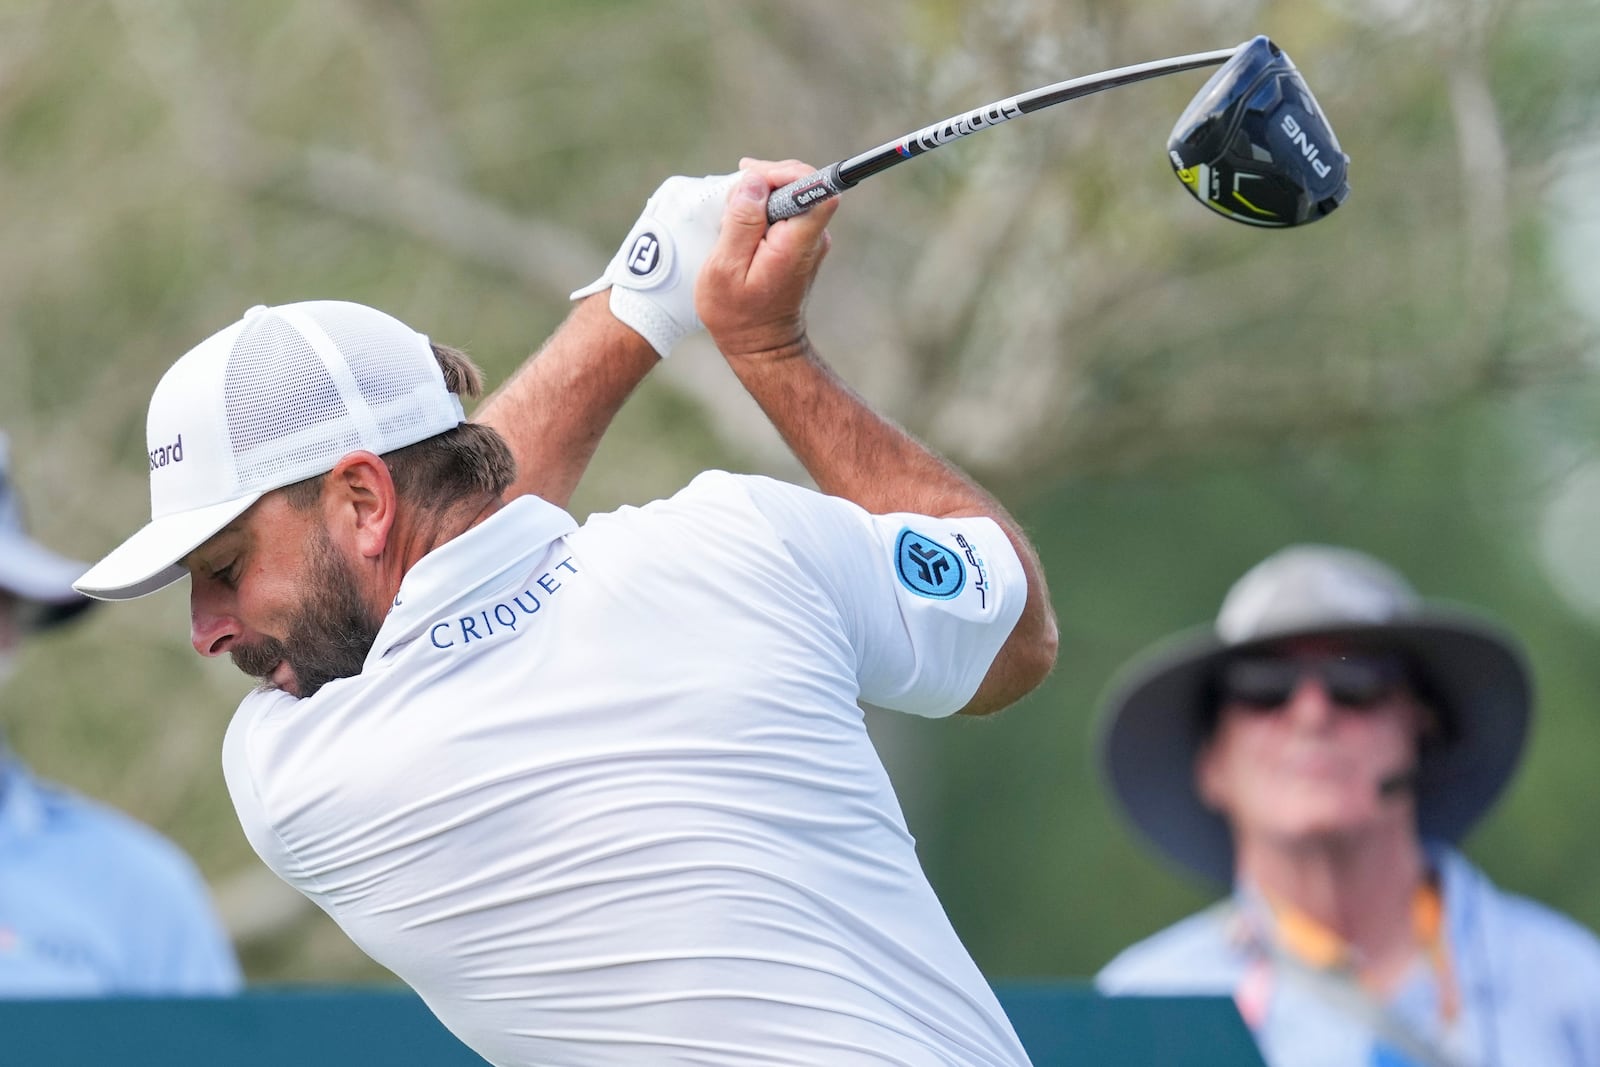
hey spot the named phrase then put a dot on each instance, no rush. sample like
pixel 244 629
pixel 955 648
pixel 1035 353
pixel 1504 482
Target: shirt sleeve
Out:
pixel 926 602
pixel 239 773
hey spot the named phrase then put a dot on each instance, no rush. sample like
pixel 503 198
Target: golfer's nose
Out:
pixel 212 630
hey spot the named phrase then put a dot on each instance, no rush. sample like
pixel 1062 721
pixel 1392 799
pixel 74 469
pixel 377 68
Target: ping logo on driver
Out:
pixel 644 254
pixel 1308 148
pixel 927 568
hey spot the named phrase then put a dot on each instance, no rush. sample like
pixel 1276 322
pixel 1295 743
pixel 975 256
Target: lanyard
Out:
pixel 1427 918
pixel 1284 943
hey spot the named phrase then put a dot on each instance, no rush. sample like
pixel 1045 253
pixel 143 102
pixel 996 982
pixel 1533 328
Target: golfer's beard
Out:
pixel 329 635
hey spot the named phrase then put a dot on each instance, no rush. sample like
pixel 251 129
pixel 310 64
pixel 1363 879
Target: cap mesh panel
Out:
pixel 397 391
pixel 283 409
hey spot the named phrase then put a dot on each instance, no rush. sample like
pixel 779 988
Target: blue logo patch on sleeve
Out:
pixel 927 568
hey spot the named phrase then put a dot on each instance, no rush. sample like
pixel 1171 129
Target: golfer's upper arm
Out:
pixel 927 603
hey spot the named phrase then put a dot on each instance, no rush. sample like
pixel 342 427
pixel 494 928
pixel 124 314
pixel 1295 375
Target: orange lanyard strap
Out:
pixel 1316 946
pixel 1427 918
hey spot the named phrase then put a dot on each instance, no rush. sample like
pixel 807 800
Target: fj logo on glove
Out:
pixel 644 255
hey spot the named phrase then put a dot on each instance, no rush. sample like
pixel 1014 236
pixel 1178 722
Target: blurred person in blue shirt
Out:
pixel 92 903
pixel 1321 749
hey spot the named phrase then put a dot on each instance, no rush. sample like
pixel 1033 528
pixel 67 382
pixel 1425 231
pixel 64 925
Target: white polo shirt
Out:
pixel 604 795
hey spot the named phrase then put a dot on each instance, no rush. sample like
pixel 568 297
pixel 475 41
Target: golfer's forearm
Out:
pixel 848 448
pixel 556 407
pixel 853 452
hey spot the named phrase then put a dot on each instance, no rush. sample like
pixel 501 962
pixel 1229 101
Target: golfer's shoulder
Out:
pixel 720 488
pixel 1193 955
pixel 716 502
pixel 275 740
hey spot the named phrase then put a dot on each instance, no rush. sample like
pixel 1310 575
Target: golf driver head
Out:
pixel 1254 145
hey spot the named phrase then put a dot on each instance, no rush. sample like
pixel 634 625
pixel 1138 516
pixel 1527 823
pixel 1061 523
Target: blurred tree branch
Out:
pixel 430 204
pixel 991 267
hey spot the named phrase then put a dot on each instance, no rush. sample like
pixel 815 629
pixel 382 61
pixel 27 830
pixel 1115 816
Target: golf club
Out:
pixel 1253 145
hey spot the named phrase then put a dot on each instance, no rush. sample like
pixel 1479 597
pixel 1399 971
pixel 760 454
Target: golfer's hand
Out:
pixel 752 290
pixel 652 276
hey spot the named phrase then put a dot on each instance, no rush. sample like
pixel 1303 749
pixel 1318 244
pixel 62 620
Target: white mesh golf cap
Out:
pixel 282 395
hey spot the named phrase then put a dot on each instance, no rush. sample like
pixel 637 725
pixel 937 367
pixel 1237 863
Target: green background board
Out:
pixel 1060 1024
pixel 1066 1025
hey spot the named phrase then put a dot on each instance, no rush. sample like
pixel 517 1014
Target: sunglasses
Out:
pixel 1265 683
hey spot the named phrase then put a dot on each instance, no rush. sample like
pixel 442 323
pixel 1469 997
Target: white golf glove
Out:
pixel 652 275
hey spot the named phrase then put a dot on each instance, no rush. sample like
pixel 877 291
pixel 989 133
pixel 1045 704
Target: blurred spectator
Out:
pixel 92 903
pixel 1321 750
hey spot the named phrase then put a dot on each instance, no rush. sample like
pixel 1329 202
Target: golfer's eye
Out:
pixel 228 576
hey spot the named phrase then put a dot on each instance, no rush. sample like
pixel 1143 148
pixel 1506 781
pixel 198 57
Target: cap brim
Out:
pixel 1152 727
pixel 148 560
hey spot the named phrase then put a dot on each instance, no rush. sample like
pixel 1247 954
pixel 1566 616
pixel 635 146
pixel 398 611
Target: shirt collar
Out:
pixel 490 555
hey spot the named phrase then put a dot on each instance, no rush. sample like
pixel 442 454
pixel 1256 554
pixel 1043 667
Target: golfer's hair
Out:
pixel 463 463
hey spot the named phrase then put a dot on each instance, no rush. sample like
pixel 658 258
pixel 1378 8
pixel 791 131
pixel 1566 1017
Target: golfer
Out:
pixel 601 794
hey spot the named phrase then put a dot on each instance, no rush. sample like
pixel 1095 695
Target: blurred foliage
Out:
pixel 1162 396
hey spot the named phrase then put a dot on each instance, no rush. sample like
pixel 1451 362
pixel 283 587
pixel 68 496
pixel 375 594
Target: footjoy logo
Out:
pixel 644 255
pixel 167 454
pixel 927 568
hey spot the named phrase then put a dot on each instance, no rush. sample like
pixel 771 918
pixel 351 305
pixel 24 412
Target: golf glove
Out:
pixel 652 275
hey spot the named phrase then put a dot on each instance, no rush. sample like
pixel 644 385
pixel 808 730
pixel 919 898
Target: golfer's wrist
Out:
pixel 609 332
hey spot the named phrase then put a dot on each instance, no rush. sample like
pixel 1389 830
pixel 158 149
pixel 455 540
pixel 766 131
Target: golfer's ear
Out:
pixel 359 502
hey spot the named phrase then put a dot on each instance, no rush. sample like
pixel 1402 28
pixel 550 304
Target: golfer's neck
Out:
pixel 415 534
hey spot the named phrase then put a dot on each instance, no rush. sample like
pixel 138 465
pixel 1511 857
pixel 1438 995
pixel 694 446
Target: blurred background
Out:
pixel 1163 397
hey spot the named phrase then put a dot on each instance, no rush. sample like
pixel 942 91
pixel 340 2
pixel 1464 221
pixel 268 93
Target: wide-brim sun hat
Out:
pixel 280 396
pixel 1153 721
pixel 29 572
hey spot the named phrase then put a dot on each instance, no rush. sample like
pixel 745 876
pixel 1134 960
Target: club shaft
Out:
pixel 834 179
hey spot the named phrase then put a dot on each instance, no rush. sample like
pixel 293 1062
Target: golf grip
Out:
pixel 794 198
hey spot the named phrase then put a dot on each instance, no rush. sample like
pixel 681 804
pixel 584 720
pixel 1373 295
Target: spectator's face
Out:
pixel 274 592
pixel 1305 739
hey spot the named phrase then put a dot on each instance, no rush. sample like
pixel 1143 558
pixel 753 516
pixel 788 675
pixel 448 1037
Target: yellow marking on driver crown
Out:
pixel 1190 176
pixel 1252 207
